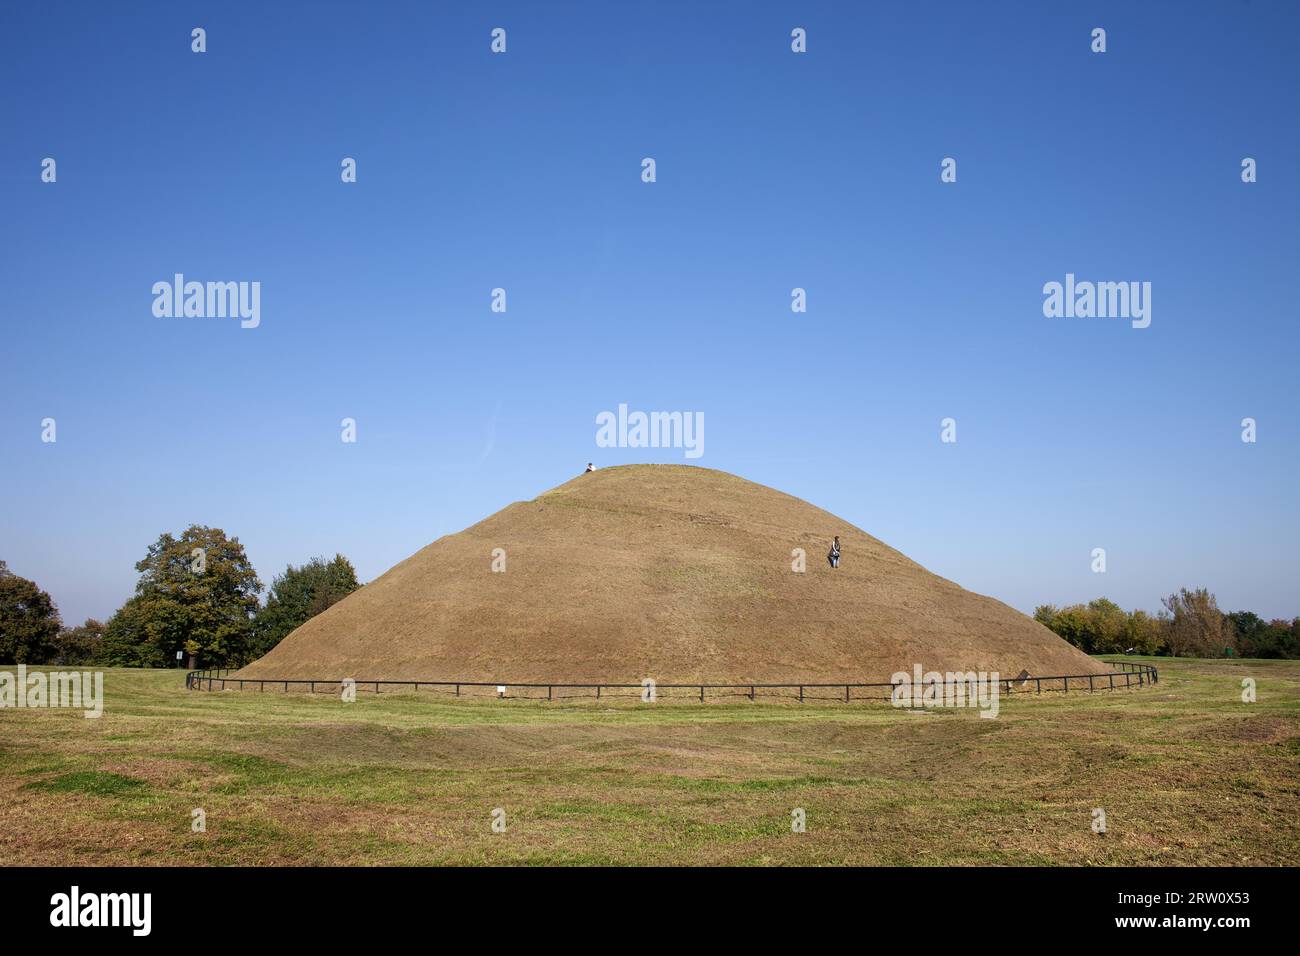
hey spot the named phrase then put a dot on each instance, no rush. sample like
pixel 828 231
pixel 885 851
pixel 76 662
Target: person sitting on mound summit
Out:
pixel 834 556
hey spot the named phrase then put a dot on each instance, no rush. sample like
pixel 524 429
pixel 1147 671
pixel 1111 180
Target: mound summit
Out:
pixel 673 572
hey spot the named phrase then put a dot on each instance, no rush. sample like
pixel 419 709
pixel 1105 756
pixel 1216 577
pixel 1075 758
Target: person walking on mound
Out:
pixel 834 556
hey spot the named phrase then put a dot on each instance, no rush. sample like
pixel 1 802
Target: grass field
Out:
pixel 1186 773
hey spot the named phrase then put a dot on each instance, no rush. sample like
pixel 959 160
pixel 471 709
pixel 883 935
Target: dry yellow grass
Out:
pixel 670 572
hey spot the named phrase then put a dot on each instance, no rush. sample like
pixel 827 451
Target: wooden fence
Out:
pixel 1125 675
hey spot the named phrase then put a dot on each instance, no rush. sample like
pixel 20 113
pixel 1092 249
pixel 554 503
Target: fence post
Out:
pixel 701 693
pixel 1038 682
pixel 1067 685
pixel 548 691
pixel 457 690
pixel 598 692
pixel 751 691
pixel 1090 683
pixel 846 693
pixel 801 693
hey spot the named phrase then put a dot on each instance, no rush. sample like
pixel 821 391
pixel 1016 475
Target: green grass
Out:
pixel 1186 772
pixel 91 782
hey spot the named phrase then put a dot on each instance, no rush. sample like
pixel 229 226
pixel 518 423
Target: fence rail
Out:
pixel 1127 675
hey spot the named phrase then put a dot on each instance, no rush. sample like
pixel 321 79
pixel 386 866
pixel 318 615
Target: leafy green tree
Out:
pixel 1079 624
pixel 1106 627
pixel 196 593
pixel 1145 634
pixel 300 594
pixel 29 621
pixel 1259 638
pixel 1073 624
pixel 1253 634
pixel 79 645
pixel 1288 641
pixel 1045 614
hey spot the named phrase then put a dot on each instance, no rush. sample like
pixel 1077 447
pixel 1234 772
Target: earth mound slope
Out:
pixel 672 572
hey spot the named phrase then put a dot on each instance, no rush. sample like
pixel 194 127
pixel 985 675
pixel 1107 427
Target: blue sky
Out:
pixel 775 170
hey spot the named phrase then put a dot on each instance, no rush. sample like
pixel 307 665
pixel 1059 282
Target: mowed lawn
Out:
pixel 1186 773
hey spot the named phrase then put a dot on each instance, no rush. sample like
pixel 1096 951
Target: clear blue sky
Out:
pixel 775 170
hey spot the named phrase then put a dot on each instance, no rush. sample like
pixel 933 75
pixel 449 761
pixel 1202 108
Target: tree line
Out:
pixel 197 596
pixel 1189 624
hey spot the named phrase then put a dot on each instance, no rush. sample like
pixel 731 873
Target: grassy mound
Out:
pixel 670 572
